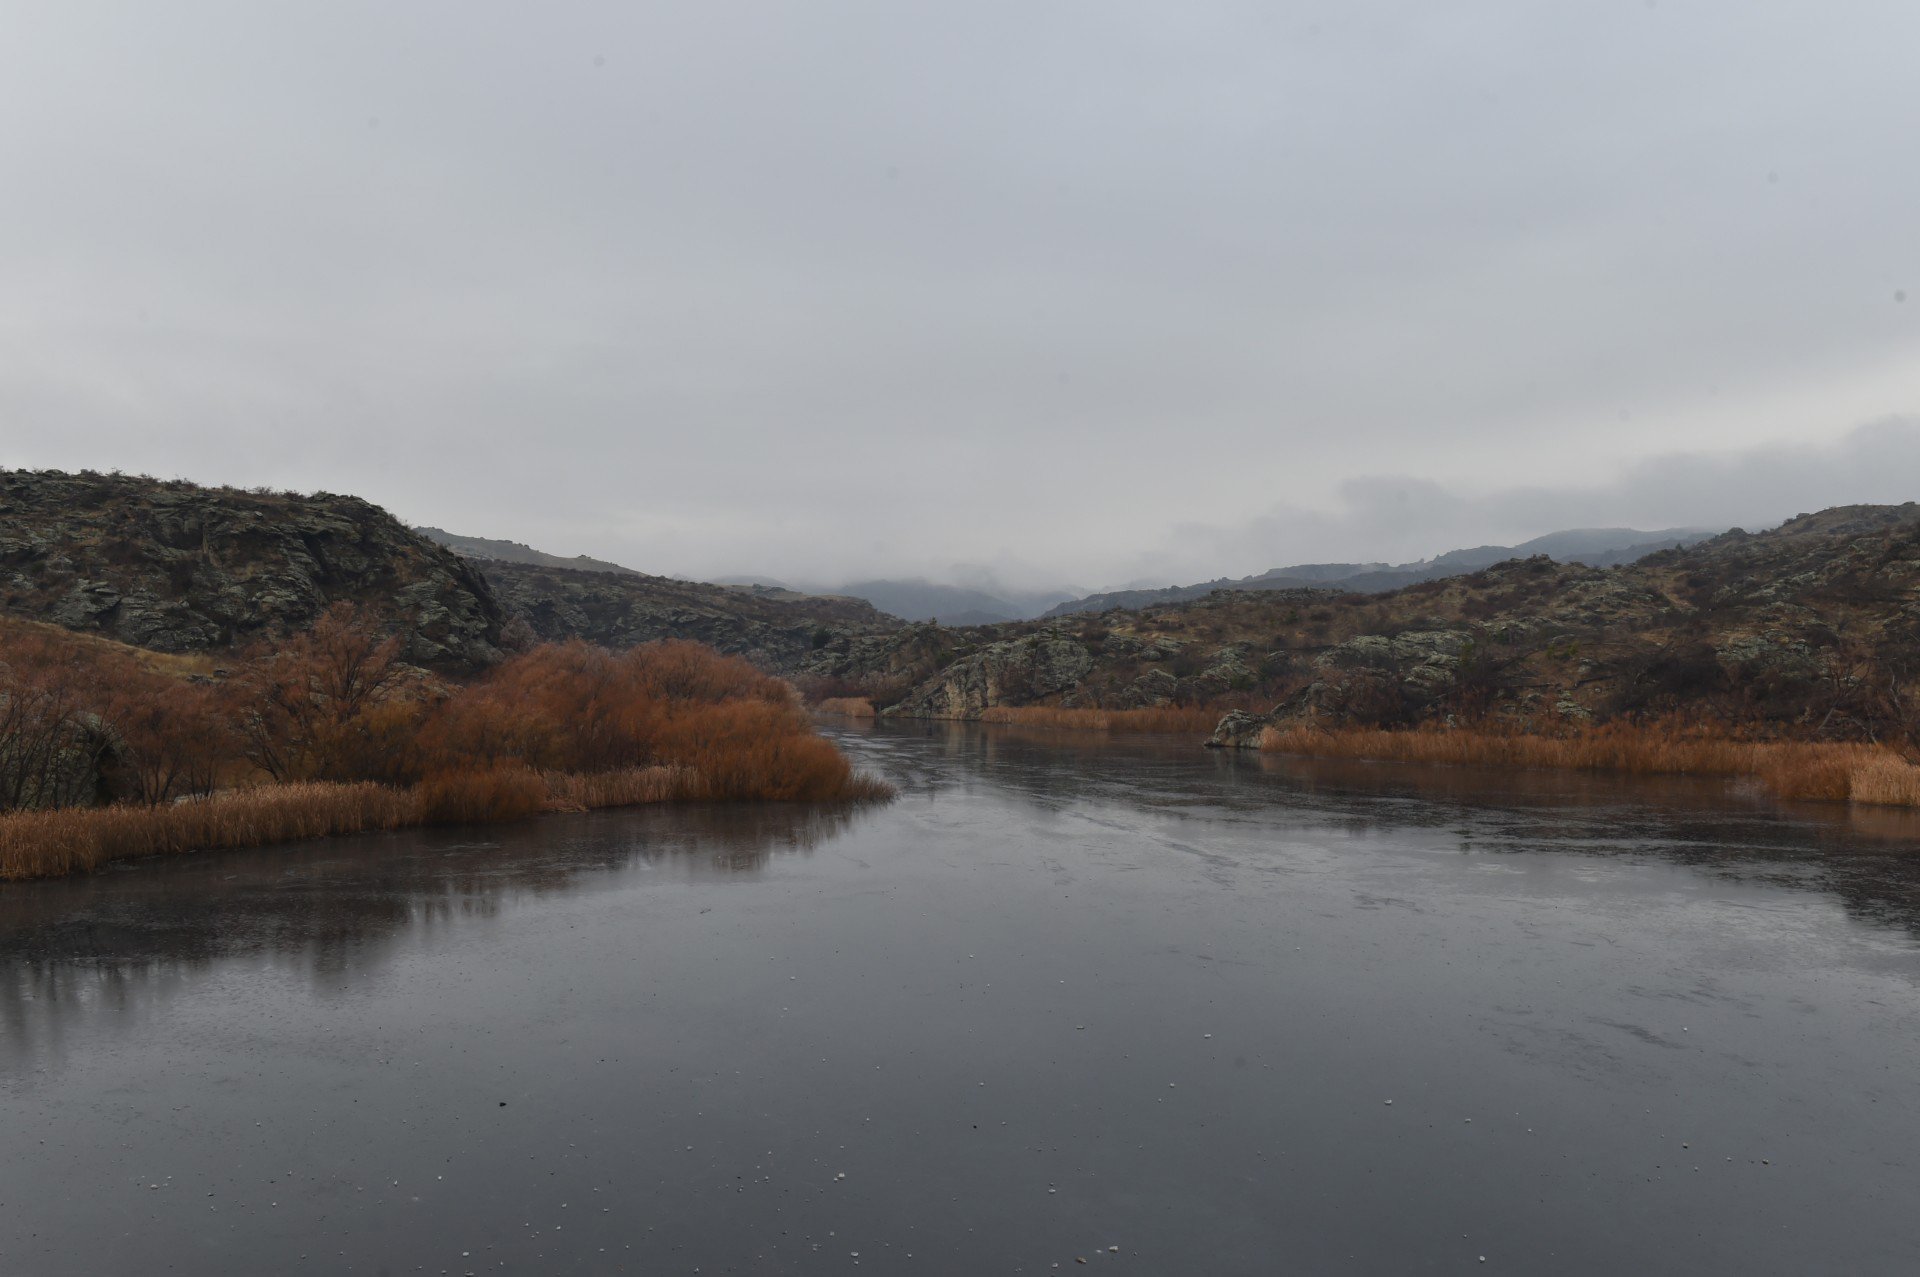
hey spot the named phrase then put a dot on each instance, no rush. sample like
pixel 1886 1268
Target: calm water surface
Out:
pixel 1225 1014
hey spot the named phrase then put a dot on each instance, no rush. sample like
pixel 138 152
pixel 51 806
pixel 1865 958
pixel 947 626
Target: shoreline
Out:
pixel 1823 771
pixel 60 842
pixel 1858 772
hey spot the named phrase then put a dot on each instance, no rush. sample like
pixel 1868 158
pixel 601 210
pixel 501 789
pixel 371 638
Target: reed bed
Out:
pixel 1787 769
pixel 847 707
pixel 1887 782
pixel 1167 719
pixel 632 787
pixel 44 844
pixel 48 844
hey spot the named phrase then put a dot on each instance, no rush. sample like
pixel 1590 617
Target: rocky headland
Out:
pixel 171 566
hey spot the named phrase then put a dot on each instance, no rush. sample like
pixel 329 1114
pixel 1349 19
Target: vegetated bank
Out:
pixel 109 751
pixel 1791 655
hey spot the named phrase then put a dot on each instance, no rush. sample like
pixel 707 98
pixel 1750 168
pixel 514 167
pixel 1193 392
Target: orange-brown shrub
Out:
pixel 752 749
pixel 480 794
pixel 331 703
pixel 354 740
pixel 82 719
pixel 572 707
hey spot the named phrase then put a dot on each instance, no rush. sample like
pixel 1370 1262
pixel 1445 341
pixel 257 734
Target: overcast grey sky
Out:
pixel 1078 292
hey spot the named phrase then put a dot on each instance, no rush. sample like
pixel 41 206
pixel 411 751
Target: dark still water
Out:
pixel 1059 999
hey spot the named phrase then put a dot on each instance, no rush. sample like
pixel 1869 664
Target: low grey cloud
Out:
pixel 1404 518
pixel 990 291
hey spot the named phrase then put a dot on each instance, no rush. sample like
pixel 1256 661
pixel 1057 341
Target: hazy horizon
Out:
pixel 1089 294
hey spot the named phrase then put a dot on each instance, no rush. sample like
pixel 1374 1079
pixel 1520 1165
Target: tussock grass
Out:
pixel 1168 719
pixel 1787 769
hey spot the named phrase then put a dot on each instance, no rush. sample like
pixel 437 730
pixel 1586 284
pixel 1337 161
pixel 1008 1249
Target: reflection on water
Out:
pixel 1066 990
pixel 1865 856
pixel 119 943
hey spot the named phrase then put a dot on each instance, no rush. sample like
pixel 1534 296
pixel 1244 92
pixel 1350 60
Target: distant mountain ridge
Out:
pixel 487 550
pixel 1810 629
pixel 918 599
pixel 1593 547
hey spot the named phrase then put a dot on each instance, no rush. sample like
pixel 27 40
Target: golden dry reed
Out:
pixel 44 844
pixel 1167 719
pixel 47 844
pixel 1827 770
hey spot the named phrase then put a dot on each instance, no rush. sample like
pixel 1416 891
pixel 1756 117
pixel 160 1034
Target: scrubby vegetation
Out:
pixel 108 751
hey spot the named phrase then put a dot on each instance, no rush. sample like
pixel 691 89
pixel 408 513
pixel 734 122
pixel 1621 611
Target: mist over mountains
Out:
pixel 921 599
pixel 1594 547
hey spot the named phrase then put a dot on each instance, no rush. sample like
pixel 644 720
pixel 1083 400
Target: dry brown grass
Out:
pixel 48 844
pixel 629 788
pixel 1886 781
pixel 181 665
pixel 847 707
pixel 1170 719
pixel 1788 769
pixel 43 844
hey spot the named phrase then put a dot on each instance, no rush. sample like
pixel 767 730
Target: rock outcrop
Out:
pixel 1015 672
pixel 174 567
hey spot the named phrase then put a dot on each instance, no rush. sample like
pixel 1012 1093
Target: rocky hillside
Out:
pixel 1812 629
pixel 775 628
pixel 173 567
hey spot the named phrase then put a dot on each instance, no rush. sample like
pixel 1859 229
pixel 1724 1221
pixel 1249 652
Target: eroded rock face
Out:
pixel 1017 672
pixel 175 567
pixel 1151 690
